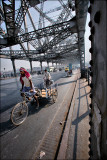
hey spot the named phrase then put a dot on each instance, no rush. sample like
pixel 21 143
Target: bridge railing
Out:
pixel 88 77
pixel 86 74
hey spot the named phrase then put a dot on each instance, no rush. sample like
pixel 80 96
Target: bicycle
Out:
pixel 20 111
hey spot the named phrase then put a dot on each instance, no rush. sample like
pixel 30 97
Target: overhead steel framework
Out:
pixel 52 40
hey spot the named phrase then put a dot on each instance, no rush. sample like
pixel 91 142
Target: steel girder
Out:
pixel 2 32
pixel 57 39
pixel 44 15
pixel 55 56
pixel 56 29
pixel 50 42
pixel 34 43
pixel 21 14
pixel 9 13
pixel 32 54
pixel 53 10
pixel 12 25
pixel 1 14
pixel 81 13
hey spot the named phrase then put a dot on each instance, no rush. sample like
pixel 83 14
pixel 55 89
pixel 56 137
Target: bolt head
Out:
pixel 89 9
pixel 97 17
pixel 90 24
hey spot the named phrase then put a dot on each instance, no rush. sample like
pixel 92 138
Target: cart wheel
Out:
pixel 54 95
pixel 19 113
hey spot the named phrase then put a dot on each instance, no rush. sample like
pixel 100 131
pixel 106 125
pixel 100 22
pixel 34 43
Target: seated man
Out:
pixel 27 85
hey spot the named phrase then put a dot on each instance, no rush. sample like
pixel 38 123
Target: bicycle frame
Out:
pixel 27 94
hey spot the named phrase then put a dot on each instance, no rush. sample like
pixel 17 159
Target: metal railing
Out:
pixel 86 74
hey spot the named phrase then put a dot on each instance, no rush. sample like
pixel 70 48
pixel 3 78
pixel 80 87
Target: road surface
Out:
pixel 21 142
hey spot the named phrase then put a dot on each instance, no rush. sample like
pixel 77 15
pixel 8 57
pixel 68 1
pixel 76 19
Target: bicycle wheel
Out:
pixel 54 95
pixel 19 113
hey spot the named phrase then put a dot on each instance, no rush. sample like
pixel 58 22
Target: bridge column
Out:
pixel 82 58
pixel 41 65
pixel 56 64
pixel 52 63
pixel 47 63
pixel 82 53
pixel 14 68
pixel 31 66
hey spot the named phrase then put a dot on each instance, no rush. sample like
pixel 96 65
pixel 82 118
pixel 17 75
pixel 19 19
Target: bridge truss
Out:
pixel 58 38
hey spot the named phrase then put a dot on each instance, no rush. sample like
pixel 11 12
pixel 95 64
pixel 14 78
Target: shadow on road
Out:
pixel 43 103
pixel 7 126
pixel 60 84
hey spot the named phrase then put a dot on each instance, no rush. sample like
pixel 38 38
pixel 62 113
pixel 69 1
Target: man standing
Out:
pixel 47 78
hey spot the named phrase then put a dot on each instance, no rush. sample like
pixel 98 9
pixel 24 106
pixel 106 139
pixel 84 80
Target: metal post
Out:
pixel 56 64
pixel 14 68
pixel 31 65
pixel 48 64
pixel 41 65
pixel 82 56
pixel 88 77
pixel 52 63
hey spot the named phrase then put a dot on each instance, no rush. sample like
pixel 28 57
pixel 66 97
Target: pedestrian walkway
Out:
pixel 75 139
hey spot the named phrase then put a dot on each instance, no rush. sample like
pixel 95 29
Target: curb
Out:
pixel 63 145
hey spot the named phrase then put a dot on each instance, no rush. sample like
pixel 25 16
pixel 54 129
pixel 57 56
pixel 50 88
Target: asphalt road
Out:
pixel 21 142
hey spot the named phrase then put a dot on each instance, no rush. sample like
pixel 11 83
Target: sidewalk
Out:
pixel 75 139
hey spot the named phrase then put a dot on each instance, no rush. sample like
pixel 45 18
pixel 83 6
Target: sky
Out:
pixel 6 64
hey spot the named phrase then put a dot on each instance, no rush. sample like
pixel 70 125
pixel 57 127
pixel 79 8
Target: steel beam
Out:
pixel 81 14
pixel 21 14
pixel 14 68
pixel 56 29
pixel 44 15
pixel 61 50
pixel 9 14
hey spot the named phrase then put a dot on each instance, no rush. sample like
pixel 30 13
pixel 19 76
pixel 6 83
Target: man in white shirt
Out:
pixel 47 78
pixel 27 85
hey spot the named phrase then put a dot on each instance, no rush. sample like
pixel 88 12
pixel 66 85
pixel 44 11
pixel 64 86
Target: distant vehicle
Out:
pixel 38 72
pixel 55 70
pixel 60 69
pixel 51 69
pixel 67 69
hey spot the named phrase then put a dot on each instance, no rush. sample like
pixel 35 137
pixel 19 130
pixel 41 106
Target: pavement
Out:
pixel 75 139
pixel 68 135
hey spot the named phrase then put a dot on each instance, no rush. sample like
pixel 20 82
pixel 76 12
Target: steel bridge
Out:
pixel 53 40
pixel 62 39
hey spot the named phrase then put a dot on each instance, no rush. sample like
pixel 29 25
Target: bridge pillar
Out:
pixel 52 63
pixel 56 64
pixel 82 54
pixel 47 63
pixel 14 68
pixel 41 65
pixel 98 63
pixel 31 66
